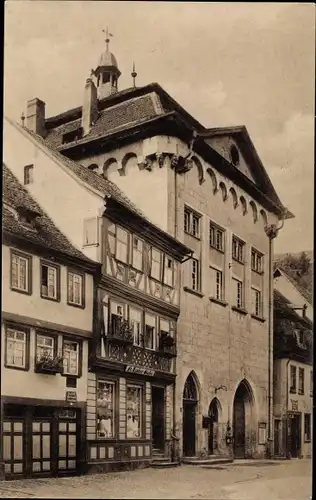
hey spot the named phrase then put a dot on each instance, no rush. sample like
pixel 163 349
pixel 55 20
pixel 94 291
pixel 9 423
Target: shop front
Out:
pixel 42 438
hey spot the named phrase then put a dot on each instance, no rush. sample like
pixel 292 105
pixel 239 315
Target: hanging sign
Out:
pixel 139 370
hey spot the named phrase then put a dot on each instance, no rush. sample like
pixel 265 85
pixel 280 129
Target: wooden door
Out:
pixel 158 417
pixel 42 462
pixel 14 447
pixel 68 431
pixel 189 432
pixel 239 428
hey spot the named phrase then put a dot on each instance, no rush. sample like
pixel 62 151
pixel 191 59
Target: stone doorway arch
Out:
pixel 190 403
pixel 243 414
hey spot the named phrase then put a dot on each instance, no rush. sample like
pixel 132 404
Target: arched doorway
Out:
pixel 213 413
pixel 242 413
pixel 190 400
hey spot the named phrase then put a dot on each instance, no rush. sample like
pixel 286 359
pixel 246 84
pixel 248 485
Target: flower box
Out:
pixel 49 365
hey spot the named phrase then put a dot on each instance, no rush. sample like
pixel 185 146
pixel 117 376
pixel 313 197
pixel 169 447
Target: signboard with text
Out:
pixel 139 370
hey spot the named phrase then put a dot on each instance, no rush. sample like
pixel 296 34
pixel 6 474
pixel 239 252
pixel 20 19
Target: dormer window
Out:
pixel 28 174
pixel 27 217
pixel 72 136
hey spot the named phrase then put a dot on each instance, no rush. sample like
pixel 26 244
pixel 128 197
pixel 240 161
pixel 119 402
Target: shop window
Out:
pixel 134 399
pixel 105 409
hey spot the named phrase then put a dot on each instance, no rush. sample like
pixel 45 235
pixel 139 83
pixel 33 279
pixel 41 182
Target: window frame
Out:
pixel 29 261
pixel 155 327
pixel 71 270
pixel 241 245
pixel 141 333
pixel 221 272
pixel 26 331
pixel 132 238
pixel 45 333
pixel 27 178
pixel 161 260
pixel 293 371
pixel 140 385
pixel 198 274
pixel 242 303
pixel 119 228
pixel 166 258
pixel 57 284
pixel 258 256
pixel 108 379
pixel 86 221
pixel 190 213
pixel 217 229
pixel 68 338
pixel 254 312
pixel 301 381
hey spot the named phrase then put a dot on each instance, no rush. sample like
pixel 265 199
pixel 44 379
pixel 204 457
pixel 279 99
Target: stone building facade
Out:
pixel 208 189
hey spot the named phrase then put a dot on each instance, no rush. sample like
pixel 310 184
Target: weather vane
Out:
pixel 107 40
pixel 134 74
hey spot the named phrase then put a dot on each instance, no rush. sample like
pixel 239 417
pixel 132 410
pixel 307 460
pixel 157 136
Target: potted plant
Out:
pixel 48 363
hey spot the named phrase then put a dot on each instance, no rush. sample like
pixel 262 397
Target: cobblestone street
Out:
pixel 241 480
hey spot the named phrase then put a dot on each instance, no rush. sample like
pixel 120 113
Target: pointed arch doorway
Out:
pixel 190 401
pixel 213 413
pixel 242 416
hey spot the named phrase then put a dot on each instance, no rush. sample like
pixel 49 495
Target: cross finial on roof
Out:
pixel 107 35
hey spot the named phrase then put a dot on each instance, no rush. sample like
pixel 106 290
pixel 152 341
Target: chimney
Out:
pixel 35 116
pixel 90 107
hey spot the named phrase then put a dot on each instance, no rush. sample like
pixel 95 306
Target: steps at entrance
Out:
pixel 160 461
pixel 210 460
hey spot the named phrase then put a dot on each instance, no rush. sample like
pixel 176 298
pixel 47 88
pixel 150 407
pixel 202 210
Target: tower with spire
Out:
pixel 107 72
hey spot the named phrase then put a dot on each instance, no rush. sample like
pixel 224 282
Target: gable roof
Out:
pixel 282 308
pixel 44 233
pixel 137 107
pixel 305 293
pixel 105 188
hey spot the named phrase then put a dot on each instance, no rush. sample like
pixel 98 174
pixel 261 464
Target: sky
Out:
pixel 226 63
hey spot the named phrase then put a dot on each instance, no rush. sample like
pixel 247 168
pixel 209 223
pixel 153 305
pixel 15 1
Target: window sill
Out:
pixel 25 292
pixel 258 318
pixel 239 310
pixel 239 261
pixel 21 368
pixel 50 298
pixel 70 375
pixel 194 292
pixel 300 393
pixel 217 249
pixel 219 302
pixel 257 272
pixel 307 440
pixel 193 236
pixel 76 305
pixel 90 245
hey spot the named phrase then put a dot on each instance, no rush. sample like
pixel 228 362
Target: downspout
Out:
pixel 287 455
pixel 272 232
